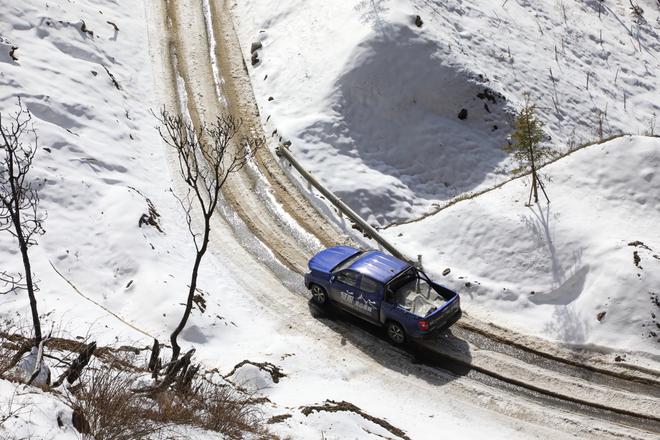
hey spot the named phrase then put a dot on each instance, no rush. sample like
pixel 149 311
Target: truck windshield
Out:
pixel 347 262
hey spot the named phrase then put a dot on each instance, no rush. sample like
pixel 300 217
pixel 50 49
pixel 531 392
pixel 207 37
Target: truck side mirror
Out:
pixel 333 278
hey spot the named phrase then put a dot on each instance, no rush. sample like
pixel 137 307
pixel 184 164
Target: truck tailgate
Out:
pixel 446 315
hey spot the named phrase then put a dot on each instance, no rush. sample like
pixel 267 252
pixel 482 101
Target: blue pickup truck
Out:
pixel 383 290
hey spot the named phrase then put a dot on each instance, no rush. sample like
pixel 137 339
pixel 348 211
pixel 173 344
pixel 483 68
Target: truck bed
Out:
pixel 418 297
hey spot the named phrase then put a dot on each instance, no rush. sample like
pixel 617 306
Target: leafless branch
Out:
pixel 10 283
pixel 19 199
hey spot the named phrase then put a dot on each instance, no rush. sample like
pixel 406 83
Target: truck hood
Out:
pixel 329 258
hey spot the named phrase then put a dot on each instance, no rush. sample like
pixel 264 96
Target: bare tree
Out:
pixel 527 148
pixel 19 200
pixel 207 155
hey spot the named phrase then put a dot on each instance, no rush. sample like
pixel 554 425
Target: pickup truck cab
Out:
pixel 383 290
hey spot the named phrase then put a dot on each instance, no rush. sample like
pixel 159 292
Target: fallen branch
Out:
pixel 274 371
pixel 173 369
pixel 24 348
pixel 38 364
pixel 112 77
pixel 72 373
pixel 332 406
pixel 83 28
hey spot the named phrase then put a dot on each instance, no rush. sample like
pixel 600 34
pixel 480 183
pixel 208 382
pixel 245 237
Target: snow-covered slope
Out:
pixel 370 101
pixel 99 158
pixel 33 414
pixel 552 269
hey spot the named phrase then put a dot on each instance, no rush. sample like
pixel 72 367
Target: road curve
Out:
pixel 189 70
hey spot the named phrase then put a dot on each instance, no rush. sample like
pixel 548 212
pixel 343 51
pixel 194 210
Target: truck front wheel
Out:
pixel 319 296
pixel 395 332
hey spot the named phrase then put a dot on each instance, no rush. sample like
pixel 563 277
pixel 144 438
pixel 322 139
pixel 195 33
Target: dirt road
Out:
pixel 263 203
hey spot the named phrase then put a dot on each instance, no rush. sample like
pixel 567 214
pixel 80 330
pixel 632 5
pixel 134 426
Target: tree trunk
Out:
pixel 532 161
pixel 176 350
pixel 22 244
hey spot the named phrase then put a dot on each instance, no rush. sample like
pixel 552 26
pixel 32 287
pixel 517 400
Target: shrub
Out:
pixel 107 409
pixel 212 407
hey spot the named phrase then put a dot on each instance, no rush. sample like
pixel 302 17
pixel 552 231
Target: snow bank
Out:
pixel 33 414
pixel 252 378
pixel 552 269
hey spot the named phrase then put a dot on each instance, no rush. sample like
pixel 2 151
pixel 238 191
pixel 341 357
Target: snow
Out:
pixel 252 378
pixel 374 115
pixel 100 149
pixel 33 414
pixel 123 284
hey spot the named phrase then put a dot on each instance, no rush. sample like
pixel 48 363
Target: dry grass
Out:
pixel 6 353
pixel 13 345
pixel 110 411
pixel 212 407
pixel 106 408
pixel 113 412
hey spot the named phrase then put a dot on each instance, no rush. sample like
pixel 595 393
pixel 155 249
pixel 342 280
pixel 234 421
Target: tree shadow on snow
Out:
pixel 412 358
pixel 568 275
pixel 539 225
pixel 371 12
pixel 567 325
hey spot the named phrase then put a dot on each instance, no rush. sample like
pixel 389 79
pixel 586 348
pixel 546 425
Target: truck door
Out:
pixel 344 286
pixel 369 298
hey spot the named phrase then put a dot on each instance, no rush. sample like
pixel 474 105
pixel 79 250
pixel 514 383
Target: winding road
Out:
pixel 269 229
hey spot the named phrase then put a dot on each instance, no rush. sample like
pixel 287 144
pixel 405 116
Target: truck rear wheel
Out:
pixel 395 332
pixel 319 295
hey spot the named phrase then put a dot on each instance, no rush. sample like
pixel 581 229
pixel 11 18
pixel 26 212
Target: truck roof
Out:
pixel 379 266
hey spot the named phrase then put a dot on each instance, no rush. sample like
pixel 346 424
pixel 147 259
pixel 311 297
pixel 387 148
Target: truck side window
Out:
pixel 368 285
pixel 348 277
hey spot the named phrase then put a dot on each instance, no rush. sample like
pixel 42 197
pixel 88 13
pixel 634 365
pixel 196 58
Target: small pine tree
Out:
pixel 526 146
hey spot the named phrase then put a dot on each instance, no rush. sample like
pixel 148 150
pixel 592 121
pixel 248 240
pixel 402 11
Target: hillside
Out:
pixel 370 101
pixel 89 73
